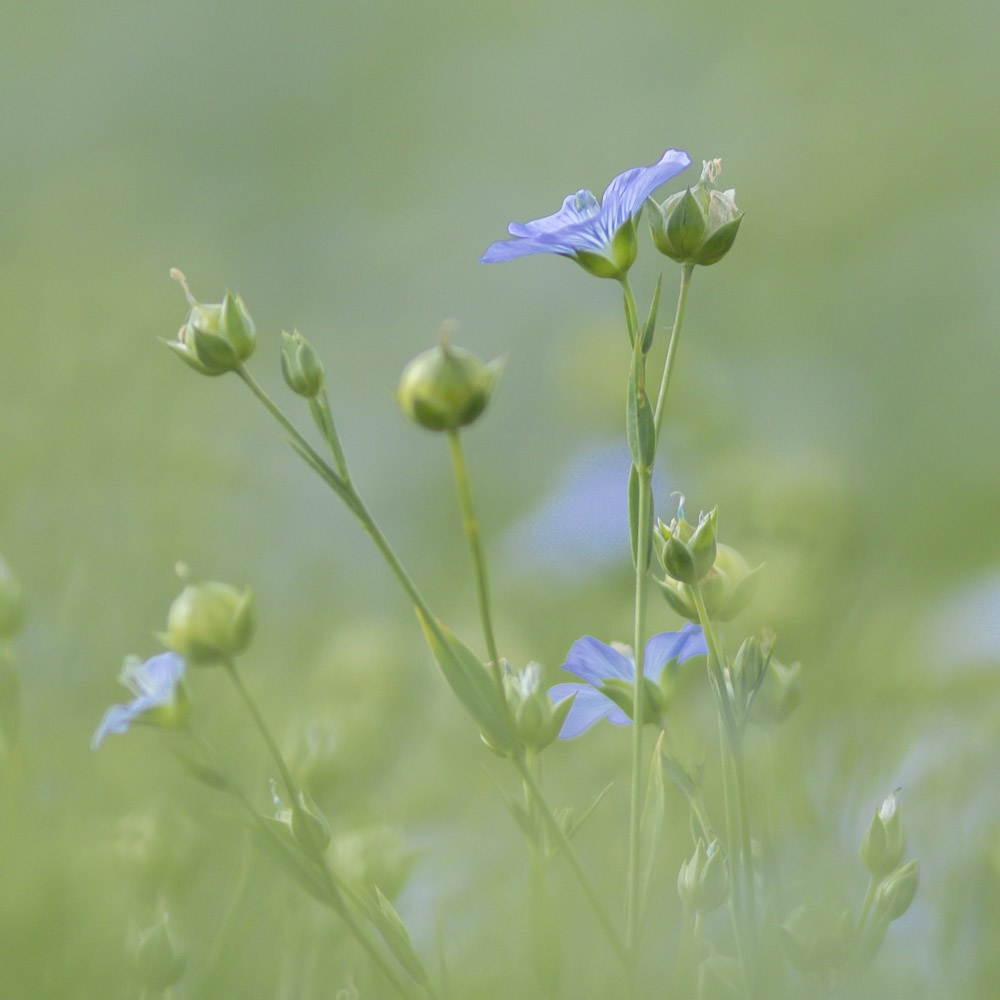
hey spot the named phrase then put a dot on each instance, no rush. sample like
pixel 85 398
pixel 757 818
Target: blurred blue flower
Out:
pixel 584 224
pixel 158 689
pixel 594 662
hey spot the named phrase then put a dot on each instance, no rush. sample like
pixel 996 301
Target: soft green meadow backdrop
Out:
pixel 343 165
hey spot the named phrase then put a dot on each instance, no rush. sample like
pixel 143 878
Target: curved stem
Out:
pixel 471 527
pixel 675 335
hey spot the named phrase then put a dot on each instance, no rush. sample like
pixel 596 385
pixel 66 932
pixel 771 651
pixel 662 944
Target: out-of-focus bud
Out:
pixel 620 253
pixel 300 365
pixel 779 694
pixel 373 856
pixel 216 338
pixel 11 603
pixel 817 937
pixel 158 958
pixel 727 588
pixel 538 721
pixel 894 896
pixel 446 387
pixel 703 881
pixel 885 839
pixel 210 622
pixel 314 755
pixel 699 225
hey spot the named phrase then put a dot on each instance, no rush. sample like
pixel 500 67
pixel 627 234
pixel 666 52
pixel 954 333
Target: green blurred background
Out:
pixel 343 166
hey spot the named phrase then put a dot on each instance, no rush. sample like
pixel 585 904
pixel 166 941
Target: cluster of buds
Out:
pixel 210 622
pixel 691 557
pixel 881 853
pixel 699 225
pixel 703 881
pixel 215 338
pixel 446 387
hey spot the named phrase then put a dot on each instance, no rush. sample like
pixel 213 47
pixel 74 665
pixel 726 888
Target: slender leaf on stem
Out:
pixel 651 824
pixel 393 932
pixel 648 331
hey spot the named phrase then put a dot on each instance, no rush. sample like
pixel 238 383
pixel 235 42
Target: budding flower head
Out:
pixel 11 603
pixel 215 338
pixel 446 387
pixel 300 365
pixel 699 225
pixel 210 622
pixel 536 718
pixel 703 881
pixel 885 839
pixel 894 896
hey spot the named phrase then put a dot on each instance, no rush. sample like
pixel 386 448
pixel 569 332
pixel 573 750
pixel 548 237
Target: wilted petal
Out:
pixel 593 661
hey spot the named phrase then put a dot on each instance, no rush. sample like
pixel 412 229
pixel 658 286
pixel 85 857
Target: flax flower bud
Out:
pixel 885 839
pixel 300 365
pixel 210 622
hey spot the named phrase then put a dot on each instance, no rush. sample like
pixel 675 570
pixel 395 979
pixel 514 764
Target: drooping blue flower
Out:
pixel 583 224
pixel 158 687
pixel 594 662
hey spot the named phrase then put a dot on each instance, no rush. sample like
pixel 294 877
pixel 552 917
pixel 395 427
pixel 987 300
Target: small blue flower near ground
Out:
pixel 157 685
pixel 583 224
pixel 594 662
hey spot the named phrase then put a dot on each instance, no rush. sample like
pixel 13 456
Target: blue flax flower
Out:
pixel 583 227
pixel 159 695
pixel 595 662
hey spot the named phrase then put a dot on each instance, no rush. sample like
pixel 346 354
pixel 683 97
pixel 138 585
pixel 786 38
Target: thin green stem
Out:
pixel 560 838
pixel 265 732
pixel 866 906
pixel 638 719
pixel 675 336
pixel 746 847
pixel 319 408
pixel 631 316
pixel 471 527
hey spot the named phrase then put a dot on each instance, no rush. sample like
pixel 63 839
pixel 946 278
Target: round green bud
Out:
pixel 11 603
pixel 300 365
pixel 210 622
pixel 446 387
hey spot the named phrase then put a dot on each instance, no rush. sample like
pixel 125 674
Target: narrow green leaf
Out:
pixel 468 678
pixel 651 823
pixel 393 931
pixel 633 513
pixel 574 828
pixel 650 327
pixel 639 425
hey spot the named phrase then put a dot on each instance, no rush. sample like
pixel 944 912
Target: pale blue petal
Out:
pixel 116 720
pixel 575 208
pixel 682 645
pixel 593 661
pixel 588 706
pixel 625 195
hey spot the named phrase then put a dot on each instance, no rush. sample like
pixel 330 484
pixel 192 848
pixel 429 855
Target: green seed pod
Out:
pixel 210 622
pixel 446 387
pixel 697 226
pixel 300 365
pixel 216 338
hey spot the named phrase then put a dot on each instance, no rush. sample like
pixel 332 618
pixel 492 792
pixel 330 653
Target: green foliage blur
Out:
pixel 342 166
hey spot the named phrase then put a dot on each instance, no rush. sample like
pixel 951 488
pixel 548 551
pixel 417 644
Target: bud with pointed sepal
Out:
pixel 447 387
pixel 210 622
pixel 216 338
pixel 703 881
pixel 894 896
pixel 885 839
pixel 699 225
pixel 300 365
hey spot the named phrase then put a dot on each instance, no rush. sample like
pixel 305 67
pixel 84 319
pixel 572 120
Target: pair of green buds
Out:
pixel 692 557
